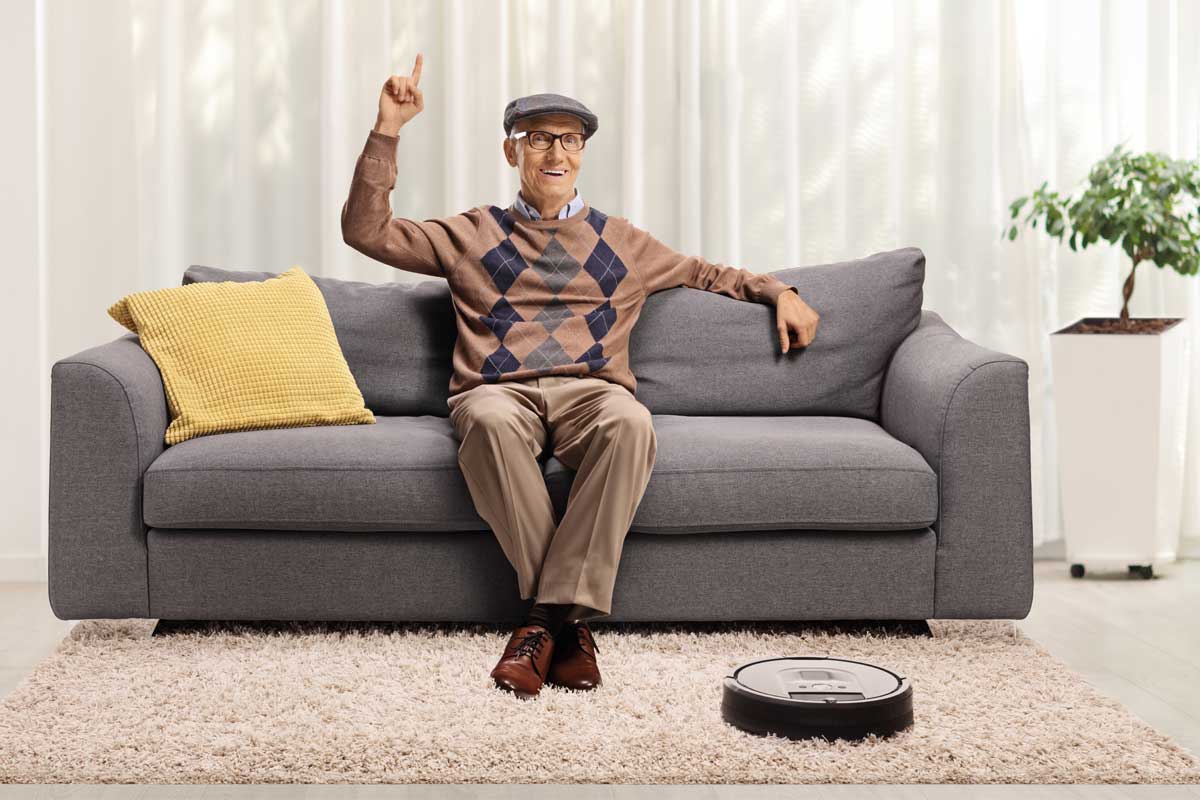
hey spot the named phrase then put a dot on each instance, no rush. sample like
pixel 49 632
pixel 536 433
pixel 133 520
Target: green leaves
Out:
pixel 1146 203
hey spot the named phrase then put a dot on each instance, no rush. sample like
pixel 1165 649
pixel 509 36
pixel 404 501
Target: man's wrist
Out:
pixel 387 128
pixel 785 290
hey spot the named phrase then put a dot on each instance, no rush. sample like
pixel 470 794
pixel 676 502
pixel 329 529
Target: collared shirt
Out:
pixel 569 210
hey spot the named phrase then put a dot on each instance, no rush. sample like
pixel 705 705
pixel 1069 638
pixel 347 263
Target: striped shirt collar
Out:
pixel 569 210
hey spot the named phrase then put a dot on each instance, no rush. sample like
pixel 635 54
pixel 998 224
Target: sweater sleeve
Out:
pixel 430 247
pixel 663 268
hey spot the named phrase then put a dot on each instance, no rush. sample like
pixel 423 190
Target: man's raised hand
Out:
pixel 400 100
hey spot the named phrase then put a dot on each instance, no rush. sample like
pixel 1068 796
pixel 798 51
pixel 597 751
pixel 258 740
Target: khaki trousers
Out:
pixel 596 427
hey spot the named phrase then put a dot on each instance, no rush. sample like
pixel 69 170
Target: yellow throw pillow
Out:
pixel 242 356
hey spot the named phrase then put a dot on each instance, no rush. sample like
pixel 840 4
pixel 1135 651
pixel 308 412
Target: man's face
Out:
pixel 536 185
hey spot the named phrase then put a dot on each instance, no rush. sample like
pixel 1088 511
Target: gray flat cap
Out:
pixel 535 104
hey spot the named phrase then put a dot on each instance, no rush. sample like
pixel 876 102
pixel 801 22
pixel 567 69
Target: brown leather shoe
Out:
pixel 573 664
pixel 522 668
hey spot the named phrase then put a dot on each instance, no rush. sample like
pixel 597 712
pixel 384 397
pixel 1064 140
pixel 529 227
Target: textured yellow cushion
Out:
pixel 241 356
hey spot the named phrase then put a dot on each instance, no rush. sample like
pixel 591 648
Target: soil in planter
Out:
pixel 1150 325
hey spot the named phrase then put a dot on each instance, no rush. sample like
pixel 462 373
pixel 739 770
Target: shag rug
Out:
pixel 413 703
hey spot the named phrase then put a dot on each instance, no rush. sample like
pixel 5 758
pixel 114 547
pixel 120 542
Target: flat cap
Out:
pixel 534 104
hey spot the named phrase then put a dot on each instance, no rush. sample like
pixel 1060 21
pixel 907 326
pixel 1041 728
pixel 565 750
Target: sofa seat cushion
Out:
pixel 399 474
pixel 777 473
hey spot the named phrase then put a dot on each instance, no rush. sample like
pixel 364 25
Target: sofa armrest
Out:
pixel 108 420
pixel 965 408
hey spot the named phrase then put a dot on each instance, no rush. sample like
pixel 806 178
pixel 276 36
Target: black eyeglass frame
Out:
pixel 554 138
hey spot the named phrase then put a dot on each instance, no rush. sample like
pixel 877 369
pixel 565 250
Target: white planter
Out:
pixel 1120 408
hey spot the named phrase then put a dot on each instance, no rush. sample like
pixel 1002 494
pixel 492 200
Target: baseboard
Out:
pixel 1056 551
pixel 1050 551
pixel 22 569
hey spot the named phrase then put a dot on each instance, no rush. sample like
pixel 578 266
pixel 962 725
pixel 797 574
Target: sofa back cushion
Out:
pixel 692 352
pixel 397 339
pixel 701 353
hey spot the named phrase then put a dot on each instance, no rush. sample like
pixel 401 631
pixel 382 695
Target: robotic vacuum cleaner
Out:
pixel 810 697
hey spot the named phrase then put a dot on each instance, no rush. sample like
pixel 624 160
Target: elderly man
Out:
pixel 545 293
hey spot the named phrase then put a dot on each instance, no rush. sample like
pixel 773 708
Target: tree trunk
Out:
pixel 1126 292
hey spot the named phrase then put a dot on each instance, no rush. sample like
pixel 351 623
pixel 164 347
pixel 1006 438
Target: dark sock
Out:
pixel 549 615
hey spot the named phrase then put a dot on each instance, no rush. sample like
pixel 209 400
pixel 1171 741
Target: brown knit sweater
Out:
pixel 532 297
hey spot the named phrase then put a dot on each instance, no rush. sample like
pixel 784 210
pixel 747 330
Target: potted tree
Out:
pixel 1122 382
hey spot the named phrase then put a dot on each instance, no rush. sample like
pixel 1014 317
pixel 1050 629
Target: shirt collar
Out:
pixel 569 210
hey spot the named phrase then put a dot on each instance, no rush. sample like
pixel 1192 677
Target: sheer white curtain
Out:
pixel 766 134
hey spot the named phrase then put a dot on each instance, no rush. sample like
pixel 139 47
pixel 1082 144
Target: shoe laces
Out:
pixel 584 634
pixel 530 644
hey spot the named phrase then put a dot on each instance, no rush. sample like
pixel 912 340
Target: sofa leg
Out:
pixel 166 627
pixel 900 627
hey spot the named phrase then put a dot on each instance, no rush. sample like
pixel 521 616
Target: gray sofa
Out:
pixel 880 473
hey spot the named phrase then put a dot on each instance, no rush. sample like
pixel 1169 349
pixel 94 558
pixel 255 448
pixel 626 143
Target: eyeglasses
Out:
pixel 544 140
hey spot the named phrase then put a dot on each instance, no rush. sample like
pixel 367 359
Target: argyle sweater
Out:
pixel 532 297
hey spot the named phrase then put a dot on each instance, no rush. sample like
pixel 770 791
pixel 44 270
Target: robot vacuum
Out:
pixel 810 697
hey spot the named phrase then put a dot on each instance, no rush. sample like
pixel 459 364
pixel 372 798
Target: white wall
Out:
pixel 23 410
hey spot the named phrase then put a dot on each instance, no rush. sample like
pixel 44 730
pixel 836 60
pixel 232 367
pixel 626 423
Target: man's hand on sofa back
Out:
pixel 795 320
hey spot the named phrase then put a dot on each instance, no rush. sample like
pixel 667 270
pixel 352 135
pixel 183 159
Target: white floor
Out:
pixel 1136 640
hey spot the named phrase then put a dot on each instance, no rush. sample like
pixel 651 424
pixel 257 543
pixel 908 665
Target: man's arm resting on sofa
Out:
pixel 965 408
pixel 108 418
pixel 662 267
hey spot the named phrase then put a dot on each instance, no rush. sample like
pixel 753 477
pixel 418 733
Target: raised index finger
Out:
pixel 416 73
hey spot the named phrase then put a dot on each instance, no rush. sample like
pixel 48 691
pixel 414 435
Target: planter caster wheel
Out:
pixel 1077 570
pixel 1145 572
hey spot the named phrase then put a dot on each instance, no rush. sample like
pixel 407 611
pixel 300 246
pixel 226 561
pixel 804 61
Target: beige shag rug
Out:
pixel 413 703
